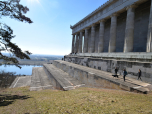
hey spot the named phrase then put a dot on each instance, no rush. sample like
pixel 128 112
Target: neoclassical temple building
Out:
pixel 117 26
pixel 117 34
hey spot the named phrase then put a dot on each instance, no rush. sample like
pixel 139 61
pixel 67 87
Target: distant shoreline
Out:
pixel 37 60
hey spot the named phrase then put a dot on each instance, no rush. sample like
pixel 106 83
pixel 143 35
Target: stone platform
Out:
pixel 60 79
pixel 132 62
pixel 47 77
pixel 21 81
pixel 101 79
pixel 37 81
pixel 65 76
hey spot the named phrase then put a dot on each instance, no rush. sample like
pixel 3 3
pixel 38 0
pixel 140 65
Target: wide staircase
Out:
pixel 65 76
pixel 39 79
pixel 50 77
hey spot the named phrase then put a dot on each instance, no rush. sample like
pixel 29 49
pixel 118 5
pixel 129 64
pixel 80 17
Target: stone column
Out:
pixel 113 30
pixel 80 42
pixel 92 43
pixel 101 36
pixel 77 43
pixel 129 32
pixel 73 40
pixel 85 49
pixel 149 36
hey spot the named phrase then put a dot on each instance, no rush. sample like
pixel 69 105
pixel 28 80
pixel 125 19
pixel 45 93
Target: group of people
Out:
pixel 125 73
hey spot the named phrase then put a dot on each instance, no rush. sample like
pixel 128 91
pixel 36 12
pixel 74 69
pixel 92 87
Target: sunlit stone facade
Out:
pixel 116 26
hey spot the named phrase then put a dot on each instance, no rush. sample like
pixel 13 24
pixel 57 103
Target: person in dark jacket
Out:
pixel 116 70
pixel 139 74
pixel 124 74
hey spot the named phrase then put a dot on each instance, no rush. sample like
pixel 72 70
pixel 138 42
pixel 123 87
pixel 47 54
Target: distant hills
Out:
pixel 42 55
pixel 37 59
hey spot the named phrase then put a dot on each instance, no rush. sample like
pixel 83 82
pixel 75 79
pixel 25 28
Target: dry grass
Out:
pixel 79 101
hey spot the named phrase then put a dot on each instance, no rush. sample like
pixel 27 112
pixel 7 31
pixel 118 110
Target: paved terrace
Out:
pixel 47 77
pixel 94 76
pixel 21 81
pixel 38 80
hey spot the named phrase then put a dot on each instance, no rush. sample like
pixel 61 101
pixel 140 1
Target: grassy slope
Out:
pixel 79 101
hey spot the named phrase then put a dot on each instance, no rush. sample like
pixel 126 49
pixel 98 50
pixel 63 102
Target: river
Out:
pixel 25 70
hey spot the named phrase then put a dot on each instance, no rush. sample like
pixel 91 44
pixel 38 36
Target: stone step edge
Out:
pixel 52 75
pixel 15 81
pixel 40 88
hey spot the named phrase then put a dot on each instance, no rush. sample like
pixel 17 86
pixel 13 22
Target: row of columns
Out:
pixel 129 35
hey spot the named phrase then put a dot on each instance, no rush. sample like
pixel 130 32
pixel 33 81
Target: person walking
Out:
pixel 116 70
pixel 124 74
pixel 139 74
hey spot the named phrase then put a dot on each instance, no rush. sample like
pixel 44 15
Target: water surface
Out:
pixel 25 70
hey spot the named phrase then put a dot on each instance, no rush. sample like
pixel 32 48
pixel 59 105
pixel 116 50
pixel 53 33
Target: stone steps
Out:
pixel 60 79
pixel 97 78
pixel 21 81
pixel 39 80
pixel 63 75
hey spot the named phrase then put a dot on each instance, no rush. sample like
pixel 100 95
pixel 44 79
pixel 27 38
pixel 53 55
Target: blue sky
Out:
pixel 50 33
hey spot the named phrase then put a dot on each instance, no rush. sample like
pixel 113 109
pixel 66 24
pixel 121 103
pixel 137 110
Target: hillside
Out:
pixel 78 101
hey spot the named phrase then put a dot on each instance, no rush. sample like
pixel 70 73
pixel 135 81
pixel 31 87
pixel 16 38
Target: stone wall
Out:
pixel 90 79
pixel 109 66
